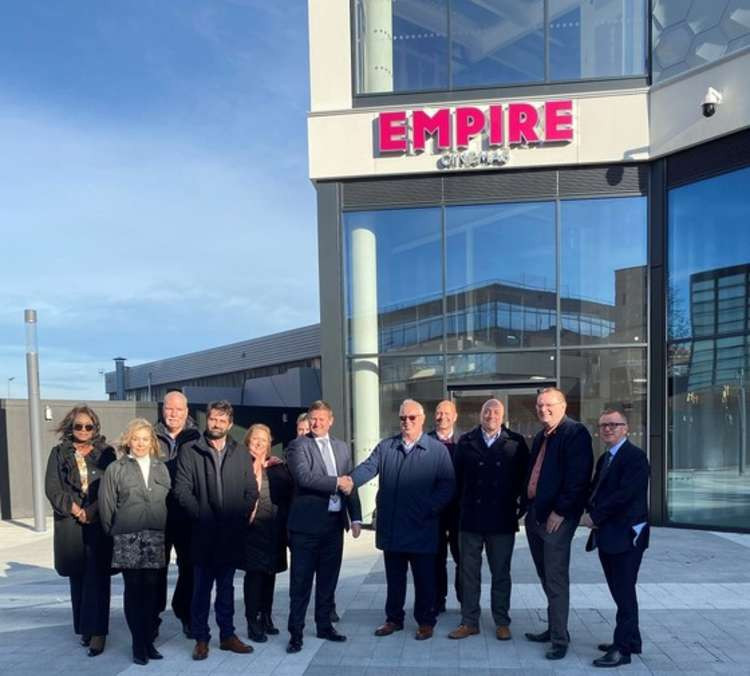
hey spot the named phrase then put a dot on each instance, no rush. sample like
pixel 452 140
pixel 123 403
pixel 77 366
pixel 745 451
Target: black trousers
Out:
pixel 448 539
pixel 621 571
pixel 90 594
pixel 315 556
pixel 258 587
pixel 551 554
pixel 499 549
pixel 140 602
pixel 423 573
pixel 177 536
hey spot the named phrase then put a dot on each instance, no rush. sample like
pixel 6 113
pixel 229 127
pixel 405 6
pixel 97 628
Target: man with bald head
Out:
pixel 556 491
pixel 176 428
pixel 445 432
pixel 490 463
pixel 416 483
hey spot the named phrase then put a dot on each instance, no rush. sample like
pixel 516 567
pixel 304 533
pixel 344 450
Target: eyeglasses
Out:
pixel 611 426
pixel 79 426
pixel 410 418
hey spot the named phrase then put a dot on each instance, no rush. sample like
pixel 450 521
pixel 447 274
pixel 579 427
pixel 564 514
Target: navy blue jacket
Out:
pixel 489 481
pixel 620 502
pixel 414 487
pixel 566 471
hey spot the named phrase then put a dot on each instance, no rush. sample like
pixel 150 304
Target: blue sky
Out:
pixel 153 181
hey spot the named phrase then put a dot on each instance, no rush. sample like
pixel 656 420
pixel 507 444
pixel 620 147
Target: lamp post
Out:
pixel 35 420
pixel 10 380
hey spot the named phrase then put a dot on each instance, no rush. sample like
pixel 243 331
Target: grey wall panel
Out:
pixel 730 152
pixel 499 185
pixel 589 181
pixel 392 191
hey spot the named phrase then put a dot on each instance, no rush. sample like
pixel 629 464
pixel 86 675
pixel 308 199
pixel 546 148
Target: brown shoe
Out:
pixel 462 631
pixel 233 644
pixel 423 632
pixel 200 652
pixel 503 633
pixel 388 628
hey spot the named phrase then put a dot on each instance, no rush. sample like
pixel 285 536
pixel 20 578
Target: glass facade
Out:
pixel 708 367
pixel 442 45
pixel 505 295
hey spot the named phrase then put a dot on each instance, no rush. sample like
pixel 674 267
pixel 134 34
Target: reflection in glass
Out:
pixel 596 379
pixel 500 367
pixel 393 263
pixel 496 42
pixel 603 276
pixel 604 38
pixel 401 46
pixel 708 356
pixel 501 275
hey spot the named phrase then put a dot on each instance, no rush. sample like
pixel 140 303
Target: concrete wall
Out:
pixel 15 449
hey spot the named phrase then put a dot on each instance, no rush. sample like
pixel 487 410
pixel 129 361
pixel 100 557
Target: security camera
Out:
pixel 710 101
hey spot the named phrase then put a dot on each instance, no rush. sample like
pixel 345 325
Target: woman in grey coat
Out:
pixel 133 509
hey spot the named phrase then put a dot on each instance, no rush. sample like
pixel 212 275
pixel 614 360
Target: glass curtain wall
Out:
pixel 708 370
pixel 511 293
pixel 440 45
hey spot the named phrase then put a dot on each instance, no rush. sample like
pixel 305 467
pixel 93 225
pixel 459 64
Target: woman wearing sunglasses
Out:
pixel 83 553
pixel 133 508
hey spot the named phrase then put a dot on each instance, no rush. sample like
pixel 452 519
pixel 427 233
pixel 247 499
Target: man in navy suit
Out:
pixel 557 486
pixel 319 514
pixel 617 514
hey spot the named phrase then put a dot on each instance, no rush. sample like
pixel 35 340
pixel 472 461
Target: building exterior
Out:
pixel 521 193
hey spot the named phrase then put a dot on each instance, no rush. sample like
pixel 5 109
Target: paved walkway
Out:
pixel 694 595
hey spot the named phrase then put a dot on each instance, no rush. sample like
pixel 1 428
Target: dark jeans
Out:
pixel 551 554
pixel 140 602
pixel 258 589
pixel 178 536
pixel 315 556
pixel 447 540
pixel 423 573
pixel 621 571
pixel 90 594
pixel 499 549
pixel 204 577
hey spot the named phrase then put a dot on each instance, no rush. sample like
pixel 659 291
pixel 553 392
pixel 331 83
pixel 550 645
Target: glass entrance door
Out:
pixel 519 402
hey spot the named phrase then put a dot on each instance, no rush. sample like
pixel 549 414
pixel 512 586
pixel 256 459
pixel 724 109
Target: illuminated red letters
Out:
pixel 439 123
pixel 392 132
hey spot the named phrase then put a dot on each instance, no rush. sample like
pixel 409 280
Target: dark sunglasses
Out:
pixel 611 426
pixel 404 418
pixel 79 426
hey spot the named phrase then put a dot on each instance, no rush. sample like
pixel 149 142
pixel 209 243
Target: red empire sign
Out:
pixel 453 129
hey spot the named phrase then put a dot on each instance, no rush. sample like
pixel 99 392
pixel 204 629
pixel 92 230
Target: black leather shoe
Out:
pixel 606 647
pixel 614 658
pixel 142 661
pixel 295 644
pixel 85 640
pixel 542 637
pixel 96 646
pixel 267 621
pixel 154 654
pixel 255 632
pixel 331 635
pixel 335 617
pixel 557 651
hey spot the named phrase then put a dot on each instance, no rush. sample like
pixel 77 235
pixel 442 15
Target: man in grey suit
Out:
pixel 319 514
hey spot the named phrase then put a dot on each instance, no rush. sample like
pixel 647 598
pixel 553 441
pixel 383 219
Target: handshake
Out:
pixel 345 484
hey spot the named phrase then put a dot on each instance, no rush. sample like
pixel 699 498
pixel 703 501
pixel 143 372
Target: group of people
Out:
pixel 223 508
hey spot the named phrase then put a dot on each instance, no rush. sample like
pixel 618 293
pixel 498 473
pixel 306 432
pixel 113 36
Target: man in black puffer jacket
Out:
pixel 177 428
pixel 216 487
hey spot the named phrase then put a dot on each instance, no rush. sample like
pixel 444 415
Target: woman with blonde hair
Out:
pixel 133 508
pixel 265 538
pixel 83 553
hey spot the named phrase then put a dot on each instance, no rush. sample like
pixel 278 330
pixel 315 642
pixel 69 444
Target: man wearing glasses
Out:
pixel 557 487
pixel 416 484
pixel 617 514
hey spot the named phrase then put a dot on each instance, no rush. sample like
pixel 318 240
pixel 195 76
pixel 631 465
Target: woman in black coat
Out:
pixel 133 509
pixel 265 537
pixel 83 553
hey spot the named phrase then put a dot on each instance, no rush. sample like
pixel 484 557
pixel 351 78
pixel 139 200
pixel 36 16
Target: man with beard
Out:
pixel 216 486
pixel 175 429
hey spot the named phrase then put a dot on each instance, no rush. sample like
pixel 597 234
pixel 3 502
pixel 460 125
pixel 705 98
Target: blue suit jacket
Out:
pixel 313 486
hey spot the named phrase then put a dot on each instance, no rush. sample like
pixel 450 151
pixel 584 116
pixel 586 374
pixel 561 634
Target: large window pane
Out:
pixel 603 275
pixel 596 379
pixel 599 38
pixel 501 275
pixel 394 280
pixel 495 42
pixel 401 45
pixel 709 359
pixel 496 368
